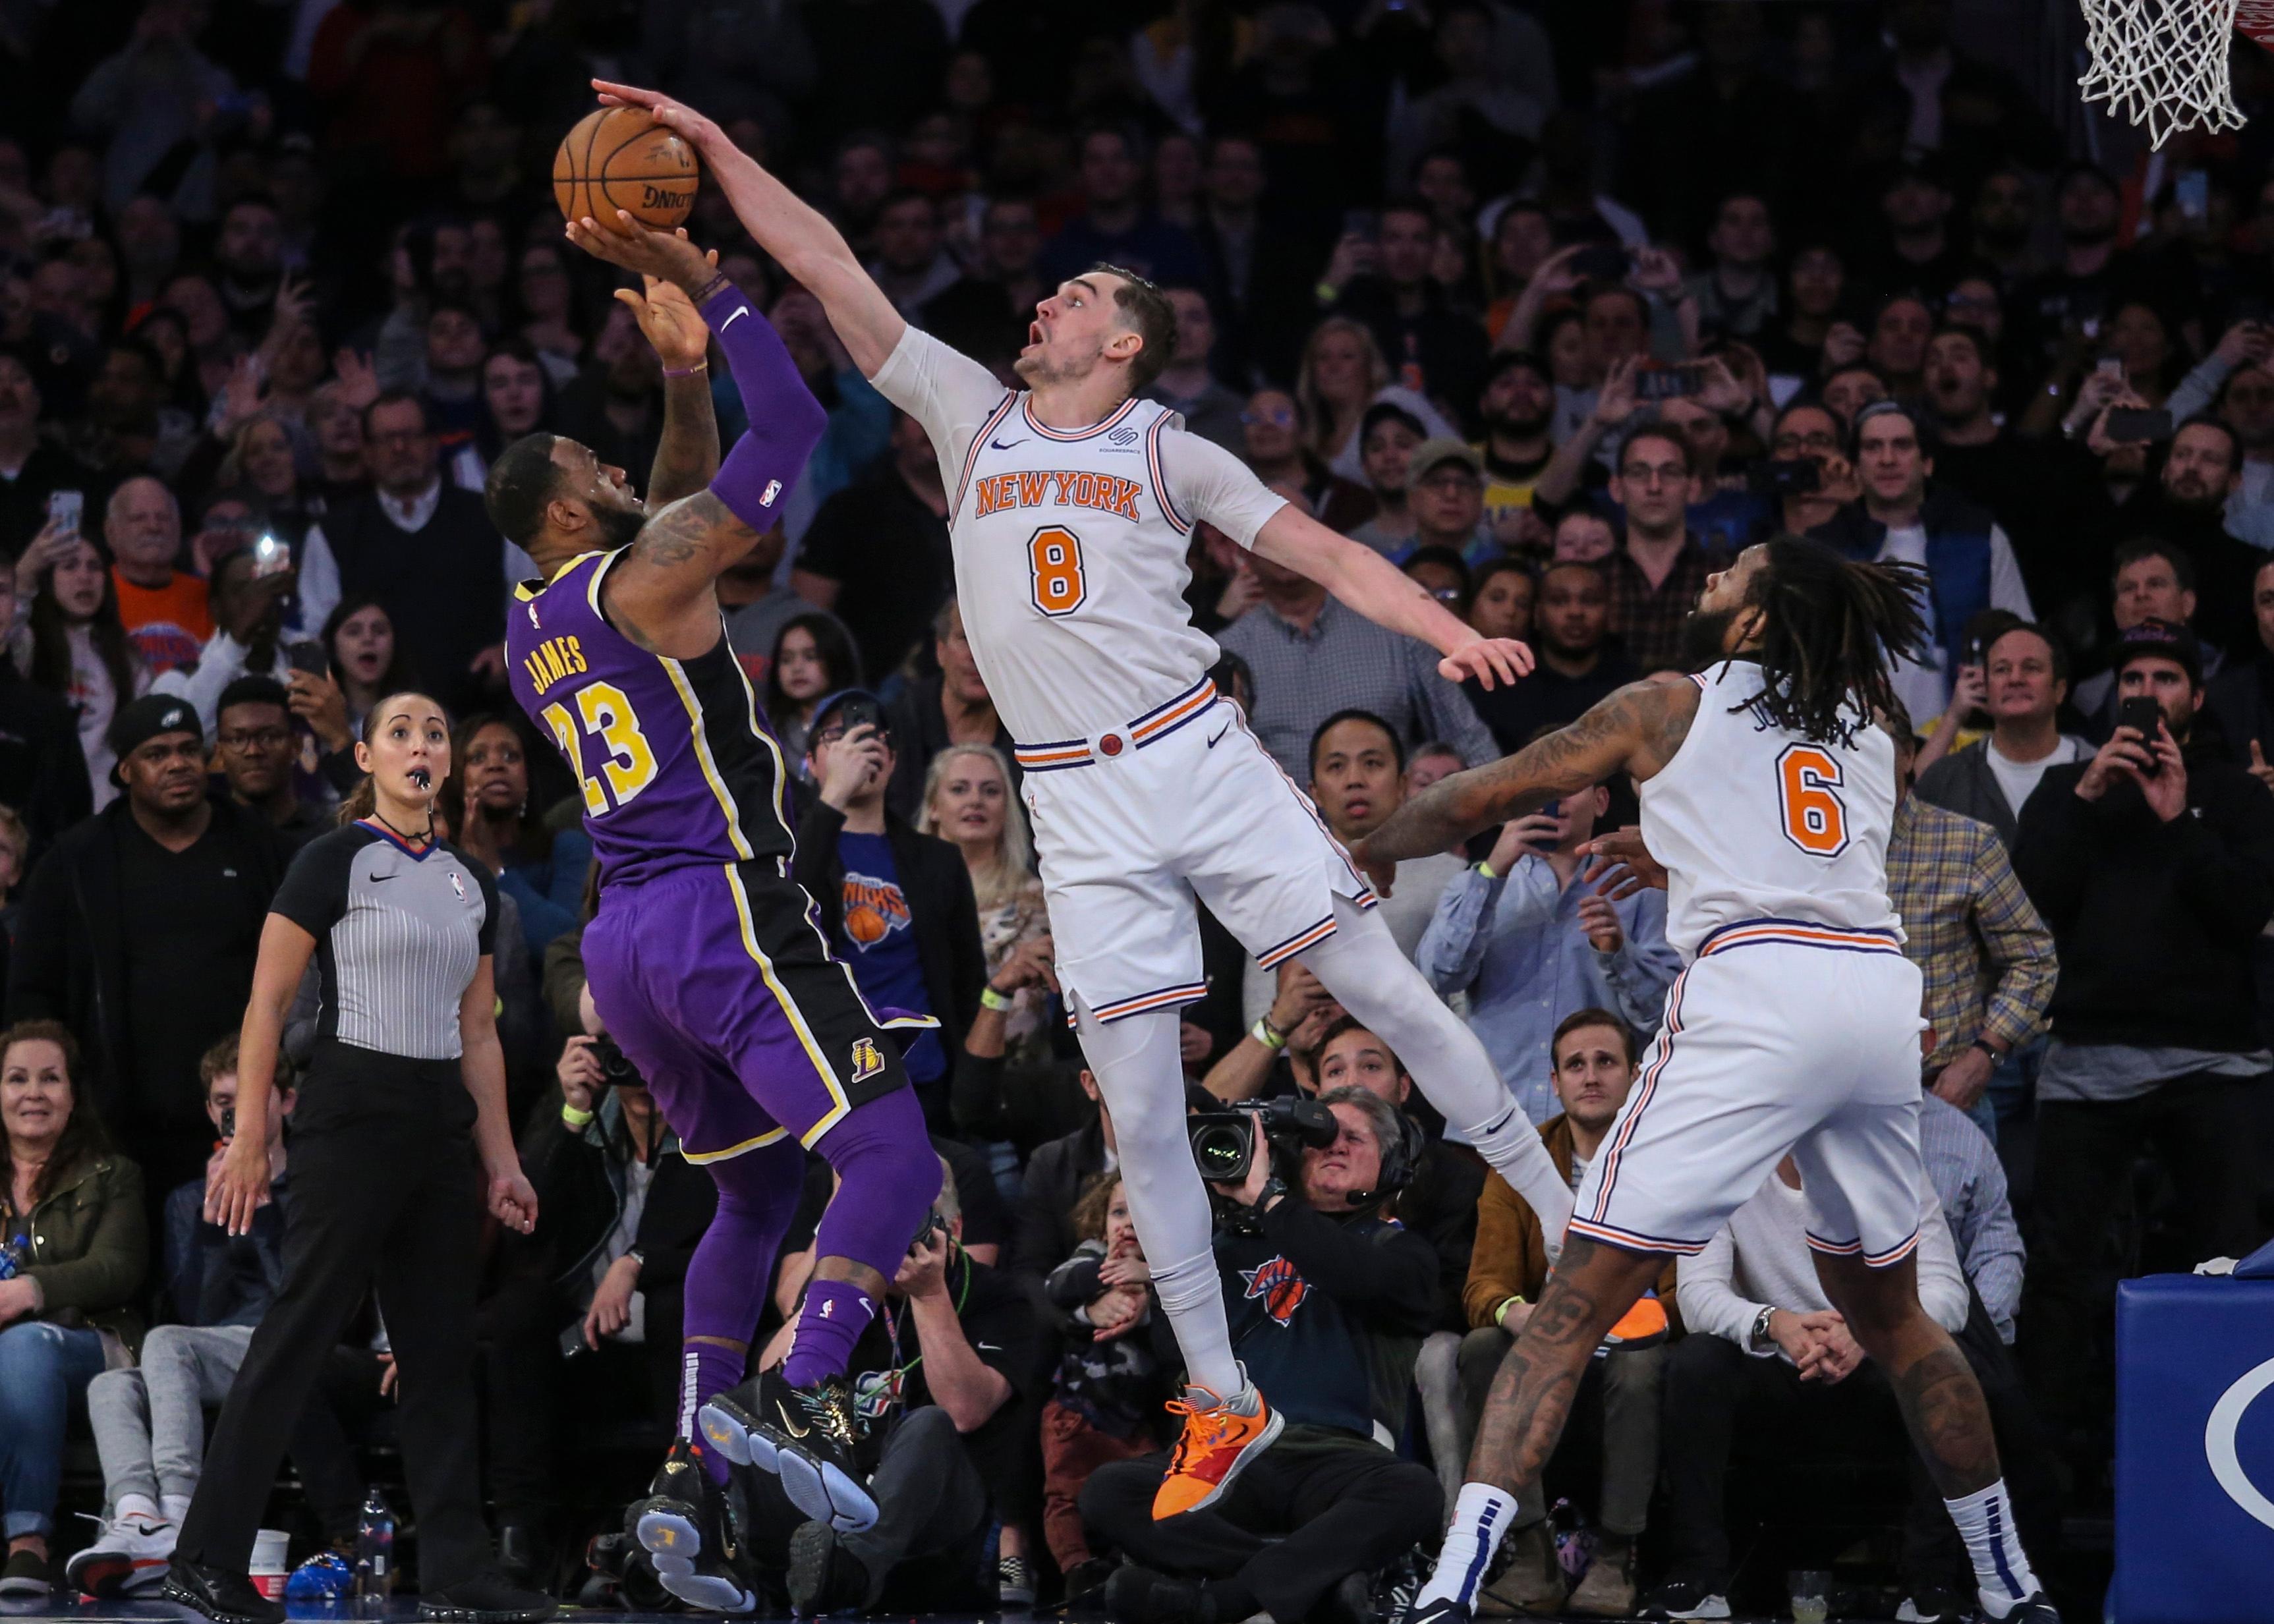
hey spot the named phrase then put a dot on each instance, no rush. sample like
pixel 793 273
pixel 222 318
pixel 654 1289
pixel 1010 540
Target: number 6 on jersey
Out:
pixel 1808 783
pixel 1054 558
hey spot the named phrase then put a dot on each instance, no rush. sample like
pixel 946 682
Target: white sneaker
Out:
pixel 130 1558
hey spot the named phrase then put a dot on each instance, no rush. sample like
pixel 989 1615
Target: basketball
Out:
pixel 619 158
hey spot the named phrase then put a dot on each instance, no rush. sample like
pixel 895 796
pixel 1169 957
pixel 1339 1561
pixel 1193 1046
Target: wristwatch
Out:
pixel 1759 1339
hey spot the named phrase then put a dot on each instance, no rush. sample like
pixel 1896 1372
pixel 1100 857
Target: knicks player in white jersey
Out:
pixel 1072 508
pixel 1768 793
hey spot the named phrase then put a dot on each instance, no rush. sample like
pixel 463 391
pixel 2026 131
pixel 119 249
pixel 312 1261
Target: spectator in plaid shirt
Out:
pixel 1987 958
pixel 1661 568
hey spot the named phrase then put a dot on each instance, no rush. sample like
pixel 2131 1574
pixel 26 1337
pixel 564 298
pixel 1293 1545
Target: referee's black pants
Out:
pixel 383 1186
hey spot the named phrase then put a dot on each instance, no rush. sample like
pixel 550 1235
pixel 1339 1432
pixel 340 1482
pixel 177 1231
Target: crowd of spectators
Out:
pixel 1555 304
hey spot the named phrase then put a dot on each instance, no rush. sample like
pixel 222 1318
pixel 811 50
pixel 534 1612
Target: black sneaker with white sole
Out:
pixel 1446 1612
pixel 486 1598
pixel 805 1436
pixel 687 1527
pixel 2038 1609
pixel 1685 1598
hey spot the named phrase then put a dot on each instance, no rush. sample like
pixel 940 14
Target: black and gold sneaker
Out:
pixel 687 1527
pixel 805 1436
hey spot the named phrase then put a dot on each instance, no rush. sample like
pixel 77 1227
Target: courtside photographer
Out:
pixel 1329 1299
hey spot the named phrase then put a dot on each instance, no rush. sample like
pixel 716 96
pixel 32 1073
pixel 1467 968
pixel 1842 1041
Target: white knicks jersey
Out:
pixel 1070 547
pixel 1755 823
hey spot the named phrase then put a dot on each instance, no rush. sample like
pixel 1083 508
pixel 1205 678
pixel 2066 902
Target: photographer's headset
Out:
pixel 1401 1159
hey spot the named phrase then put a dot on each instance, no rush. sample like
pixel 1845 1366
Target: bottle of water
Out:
pixel 374 1566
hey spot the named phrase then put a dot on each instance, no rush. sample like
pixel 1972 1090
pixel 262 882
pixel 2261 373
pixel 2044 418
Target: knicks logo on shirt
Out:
pixel 1059 488
pixel 873 910
pixel 1277 1287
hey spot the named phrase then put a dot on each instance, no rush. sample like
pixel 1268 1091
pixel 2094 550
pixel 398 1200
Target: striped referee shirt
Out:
pixel 399 935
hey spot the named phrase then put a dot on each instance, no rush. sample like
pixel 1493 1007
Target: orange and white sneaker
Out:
pixel 1220 1436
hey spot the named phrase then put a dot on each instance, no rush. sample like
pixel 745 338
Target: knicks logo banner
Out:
pixel 1277 1287
pixel 874 909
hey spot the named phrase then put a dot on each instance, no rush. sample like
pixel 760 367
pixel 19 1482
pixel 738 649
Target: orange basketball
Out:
pixel 619 158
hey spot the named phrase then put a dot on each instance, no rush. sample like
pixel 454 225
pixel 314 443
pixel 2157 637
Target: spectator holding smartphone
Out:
pixel 67 638
pixel 2153 863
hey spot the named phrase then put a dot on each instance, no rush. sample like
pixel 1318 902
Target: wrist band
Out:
pixel 1984 1045
pixel 1485 868
pixel 990 999
pixel 1500 1314
pixel 687 371
pixel 573 1118
pixel 1262 1032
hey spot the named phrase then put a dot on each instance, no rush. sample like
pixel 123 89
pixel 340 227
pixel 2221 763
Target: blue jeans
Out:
pixel 44 1370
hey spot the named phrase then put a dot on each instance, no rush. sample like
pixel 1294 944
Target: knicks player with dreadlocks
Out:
pixel 1768 793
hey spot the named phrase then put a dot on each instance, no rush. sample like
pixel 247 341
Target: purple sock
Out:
pixel 836 1313
pixel 727 1278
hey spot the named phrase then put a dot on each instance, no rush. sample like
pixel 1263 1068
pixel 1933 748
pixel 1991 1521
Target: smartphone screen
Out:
pixel 66 510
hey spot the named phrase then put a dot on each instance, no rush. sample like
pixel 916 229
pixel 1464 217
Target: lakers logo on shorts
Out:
pixel 868 1060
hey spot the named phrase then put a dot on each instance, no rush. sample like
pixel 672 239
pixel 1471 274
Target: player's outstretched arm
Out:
pixel 661 594
pixel 1636 730
pixel 791 230
pixel 669 267
pixel 1378 590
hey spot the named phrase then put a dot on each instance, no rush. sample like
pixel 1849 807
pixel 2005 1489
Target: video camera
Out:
pixel 1223 1142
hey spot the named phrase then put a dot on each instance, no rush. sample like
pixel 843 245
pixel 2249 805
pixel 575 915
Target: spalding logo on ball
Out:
pixel 620 158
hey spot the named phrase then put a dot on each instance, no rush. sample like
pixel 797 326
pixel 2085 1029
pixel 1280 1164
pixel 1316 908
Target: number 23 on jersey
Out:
pixel 627 763
pixel 1808 796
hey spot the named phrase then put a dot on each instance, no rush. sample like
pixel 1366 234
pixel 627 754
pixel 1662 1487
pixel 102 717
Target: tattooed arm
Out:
pixel 1636 730
pixel 660 593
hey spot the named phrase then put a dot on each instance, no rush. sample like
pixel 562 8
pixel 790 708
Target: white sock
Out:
pixel 1142 1076
pixel 1985 1522
pixel 176 1507
pixel 1480 1516
pixel 136 1507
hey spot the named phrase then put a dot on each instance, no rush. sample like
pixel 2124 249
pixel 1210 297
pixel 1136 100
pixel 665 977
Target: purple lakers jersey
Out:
pixel 676 767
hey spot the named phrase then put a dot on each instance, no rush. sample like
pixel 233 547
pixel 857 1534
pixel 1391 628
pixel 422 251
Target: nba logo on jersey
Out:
pixel 868 1060
pixel 458 885
pixel 766 497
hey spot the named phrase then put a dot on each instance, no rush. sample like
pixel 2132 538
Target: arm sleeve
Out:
pixel 2199 388
pixel 489 931
pixel 2006 591
pixel 949 393
pixel 786 421
pixel 1941 1281
pixel 1453 946
pixel 1206 482
pixel 314 893
pixel 1390 1278
pixel 109 1272
pixel 220 663
pixel 1707 1292
pixel 1994 1253
pixel 2016 941
pixel 1502 1263
pixel 1646 963
pixel 2224 857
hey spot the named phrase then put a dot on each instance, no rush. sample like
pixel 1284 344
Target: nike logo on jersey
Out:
pixel 1219 734
pixel 999 446
pixel 741 311
pixel 1059 488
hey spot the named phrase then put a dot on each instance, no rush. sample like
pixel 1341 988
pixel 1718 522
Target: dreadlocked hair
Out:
pixel 1831 630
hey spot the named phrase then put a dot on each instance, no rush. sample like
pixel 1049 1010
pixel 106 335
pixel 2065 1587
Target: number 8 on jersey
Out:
pixel 1054 556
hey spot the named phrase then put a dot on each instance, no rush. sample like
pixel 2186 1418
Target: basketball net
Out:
pixel 2163 63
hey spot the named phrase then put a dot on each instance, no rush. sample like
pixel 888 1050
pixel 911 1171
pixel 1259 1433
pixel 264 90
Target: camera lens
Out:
pixel 1220 1149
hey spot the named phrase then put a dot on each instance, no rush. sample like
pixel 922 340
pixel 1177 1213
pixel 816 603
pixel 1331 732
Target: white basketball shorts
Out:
pixel 1132 824
pixel 1781 1036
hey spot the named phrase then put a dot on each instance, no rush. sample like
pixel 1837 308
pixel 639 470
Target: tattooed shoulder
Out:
pixel 684 529
pixel 1673 706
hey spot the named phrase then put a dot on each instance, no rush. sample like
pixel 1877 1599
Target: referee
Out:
pixel 407 1089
